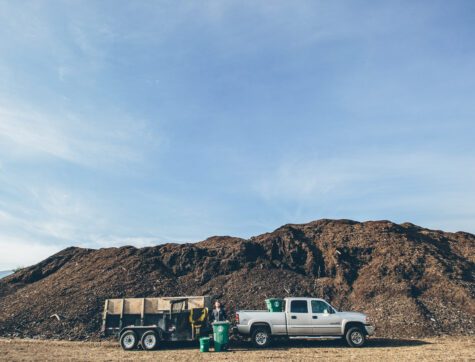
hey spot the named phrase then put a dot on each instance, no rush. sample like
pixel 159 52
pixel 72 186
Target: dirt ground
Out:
pixel 431 349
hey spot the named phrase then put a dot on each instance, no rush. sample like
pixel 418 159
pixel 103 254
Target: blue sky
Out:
pixel 142 122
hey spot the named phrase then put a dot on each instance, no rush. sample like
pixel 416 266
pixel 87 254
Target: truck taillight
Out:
pixel 237 318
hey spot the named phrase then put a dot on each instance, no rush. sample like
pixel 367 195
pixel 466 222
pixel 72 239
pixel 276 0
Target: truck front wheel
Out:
pixel 355 337
pixel 129 340
pixel 261 337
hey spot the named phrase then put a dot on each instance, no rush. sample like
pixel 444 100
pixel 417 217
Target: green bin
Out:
pixel 204 344
pixel 220 336
pixel 275 304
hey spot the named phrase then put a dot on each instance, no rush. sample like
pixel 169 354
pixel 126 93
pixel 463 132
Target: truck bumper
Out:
pixel 369 330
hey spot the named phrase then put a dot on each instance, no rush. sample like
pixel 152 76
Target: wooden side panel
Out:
pixel 196 302
pixel 142 306
pixel 163 304
pixel 133 306
pixel 151 305
pixel 114 306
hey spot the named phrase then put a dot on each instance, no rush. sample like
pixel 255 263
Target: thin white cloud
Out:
pixel 20 252
pixel 306 179
pixel 48 214
pixel 33 132
pixel 53 218
pixel 117 241
pixel 434 190
pixel 66 136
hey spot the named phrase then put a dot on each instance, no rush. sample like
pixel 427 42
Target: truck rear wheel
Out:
pixel 129 340
pixel 355 337
pixel 149 340
pixel 261 337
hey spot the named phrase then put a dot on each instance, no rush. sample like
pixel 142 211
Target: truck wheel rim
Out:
pixel 129 341
pixel 356 337
pixel 150 341
pixel 261 338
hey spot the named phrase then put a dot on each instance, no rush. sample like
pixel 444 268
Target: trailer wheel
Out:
pixel 149 340
pixel 261 337
pixel 129 340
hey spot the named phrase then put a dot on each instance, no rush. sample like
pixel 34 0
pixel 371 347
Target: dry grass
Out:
pixel 431 349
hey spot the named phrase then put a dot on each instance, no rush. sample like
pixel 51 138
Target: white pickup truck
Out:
pixel 304 318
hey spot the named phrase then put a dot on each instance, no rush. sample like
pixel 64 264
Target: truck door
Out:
pixel 325 321
pixel 299 318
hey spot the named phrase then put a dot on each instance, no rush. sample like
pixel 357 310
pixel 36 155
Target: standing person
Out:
pixel 218 314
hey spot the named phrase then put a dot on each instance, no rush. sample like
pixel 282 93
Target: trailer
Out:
pixel 144 322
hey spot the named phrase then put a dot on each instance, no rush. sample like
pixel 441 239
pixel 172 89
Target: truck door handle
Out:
pixel 315 317
pixel 294 317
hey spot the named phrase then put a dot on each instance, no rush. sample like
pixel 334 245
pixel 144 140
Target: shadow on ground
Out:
pixel 284 345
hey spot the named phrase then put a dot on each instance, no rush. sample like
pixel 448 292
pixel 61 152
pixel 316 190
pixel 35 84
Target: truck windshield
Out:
pixel 298 306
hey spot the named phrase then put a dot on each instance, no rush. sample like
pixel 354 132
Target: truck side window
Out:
pixel 320 307
pixel 298 306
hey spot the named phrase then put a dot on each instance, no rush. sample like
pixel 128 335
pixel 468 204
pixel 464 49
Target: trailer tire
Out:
pixel 149 341
pixel 261 337
pixel 129 340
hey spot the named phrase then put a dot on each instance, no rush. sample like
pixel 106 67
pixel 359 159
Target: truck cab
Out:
pixel 304 318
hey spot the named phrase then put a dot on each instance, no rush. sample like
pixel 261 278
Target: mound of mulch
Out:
pixel 412 281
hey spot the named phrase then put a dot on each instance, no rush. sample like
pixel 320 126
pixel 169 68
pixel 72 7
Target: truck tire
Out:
pixel 149 341
pixel 355 337
pixel 261 337
pixel 129 340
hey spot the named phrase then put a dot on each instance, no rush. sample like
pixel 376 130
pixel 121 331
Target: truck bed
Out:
pixel 276 321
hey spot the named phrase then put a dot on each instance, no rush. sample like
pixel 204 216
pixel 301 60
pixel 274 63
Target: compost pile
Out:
pixel 412 281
